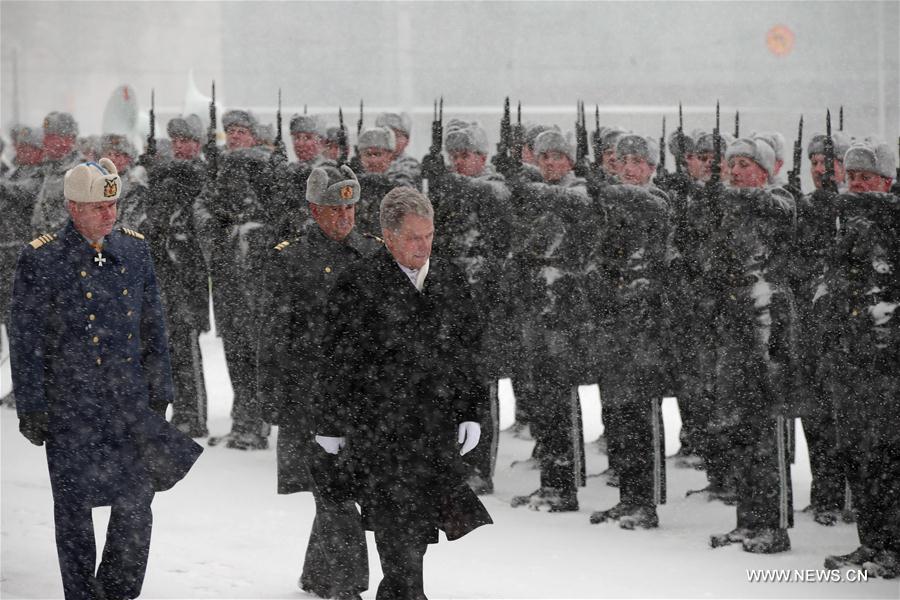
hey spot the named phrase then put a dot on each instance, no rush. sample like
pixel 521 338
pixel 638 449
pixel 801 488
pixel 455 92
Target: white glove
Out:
pixel 331 445
pixel 469 434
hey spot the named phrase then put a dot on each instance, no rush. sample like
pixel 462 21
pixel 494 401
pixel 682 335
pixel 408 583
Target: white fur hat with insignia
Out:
pixel 93 182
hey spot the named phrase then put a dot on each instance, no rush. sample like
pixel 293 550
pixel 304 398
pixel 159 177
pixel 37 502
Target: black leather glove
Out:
pixel 35 427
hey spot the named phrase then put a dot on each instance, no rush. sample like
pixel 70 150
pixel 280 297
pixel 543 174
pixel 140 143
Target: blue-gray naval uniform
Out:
pixel 88 346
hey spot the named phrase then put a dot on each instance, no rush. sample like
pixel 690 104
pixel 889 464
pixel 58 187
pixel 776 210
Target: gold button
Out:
pixel 89 295
pixel 84 273
pixel 92 317
pixel 128 359
pixel 99 361
pixel 130 312
pixel 855 312
pixel 125 292
pixel 328 269
pixel 130 335
pixel 96 340
pixel 123 269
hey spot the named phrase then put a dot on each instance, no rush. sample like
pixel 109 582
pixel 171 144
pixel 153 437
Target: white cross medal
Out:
pixel 99 259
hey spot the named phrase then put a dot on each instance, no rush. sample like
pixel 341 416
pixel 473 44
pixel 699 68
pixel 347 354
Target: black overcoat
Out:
pixel 398 378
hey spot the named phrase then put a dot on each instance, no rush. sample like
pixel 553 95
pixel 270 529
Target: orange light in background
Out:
pixel 780 40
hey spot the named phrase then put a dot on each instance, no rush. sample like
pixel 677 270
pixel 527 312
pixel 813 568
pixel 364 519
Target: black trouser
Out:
pixel 401 554
pixel 868 414
pixel 829 488
pixel 482 459
pixel 636 445
pixel 124 560
pixel 762 472
pixel 336 558
pixel 557 429
pixel 189 407
pixel 236 325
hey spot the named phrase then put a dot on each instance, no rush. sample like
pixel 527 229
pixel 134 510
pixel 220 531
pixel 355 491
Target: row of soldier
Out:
pixel 751 302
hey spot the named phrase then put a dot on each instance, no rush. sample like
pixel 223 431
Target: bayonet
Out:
pixel 828 182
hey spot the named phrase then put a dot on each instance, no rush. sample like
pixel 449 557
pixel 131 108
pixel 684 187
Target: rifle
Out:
pixel 505 132
pixel 897 179
pixel 715 175
pixel 359 126
pixel 794 175
pixel 841 119
pixel 279 154
pixel 581 137
pixel 661 166
pixel 433 163
pixel 212 149
pixel 679 160
pixel 828 182
pixel 737 124
pixel 342 139
pixel 151 138
pixel 598 155
pixel 518 139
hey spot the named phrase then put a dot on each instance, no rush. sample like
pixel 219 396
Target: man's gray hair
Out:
pixel 402 201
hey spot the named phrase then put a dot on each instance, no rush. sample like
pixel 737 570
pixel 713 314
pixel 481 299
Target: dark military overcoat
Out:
pixel 300 274
pixel 88 346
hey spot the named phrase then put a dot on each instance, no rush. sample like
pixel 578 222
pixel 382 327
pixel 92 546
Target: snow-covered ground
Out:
pixel 223 532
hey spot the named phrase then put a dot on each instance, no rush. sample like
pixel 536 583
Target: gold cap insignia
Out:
pixel 110 189
pixel 347 192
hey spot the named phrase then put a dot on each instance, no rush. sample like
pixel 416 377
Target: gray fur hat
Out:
pixel 189 127
pixel 113 142
pixel 466 136
pixel 332 134
pixel 639 145
pixel 706 142
pixel 399 122
pixel 242 118
pixel 60 123
pixel 609 137
pixel 775 140
pixel 553 140
pixel 756 149
pixel 377 137
pixel 27 136
pixel 690 141
pixel 328 186
pixel 840 140
pixel 533 131
pixel 871 155
pixel 307 124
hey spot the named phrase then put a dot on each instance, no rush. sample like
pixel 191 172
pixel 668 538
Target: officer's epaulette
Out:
pixel 132 233
pixel 41 240
pixel 284 244
pixel 373 237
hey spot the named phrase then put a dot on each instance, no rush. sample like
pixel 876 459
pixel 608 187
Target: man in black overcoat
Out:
pixel 400 392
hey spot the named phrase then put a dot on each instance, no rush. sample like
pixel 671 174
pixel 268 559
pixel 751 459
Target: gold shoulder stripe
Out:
pixel 374 237
pixel 282 245
pixel 41 240
pixel 133 233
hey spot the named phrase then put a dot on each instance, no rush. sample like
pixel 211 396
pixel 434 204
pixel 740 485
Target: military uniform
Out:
pixel 472 223
pixel 232 220
pixel 17 192
pixel 132 210
pixel 184 282
pixel 552 221
pixel 300 274
pixel 756 366
pixel 629 263
pixel 89 351
pixel 861 338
